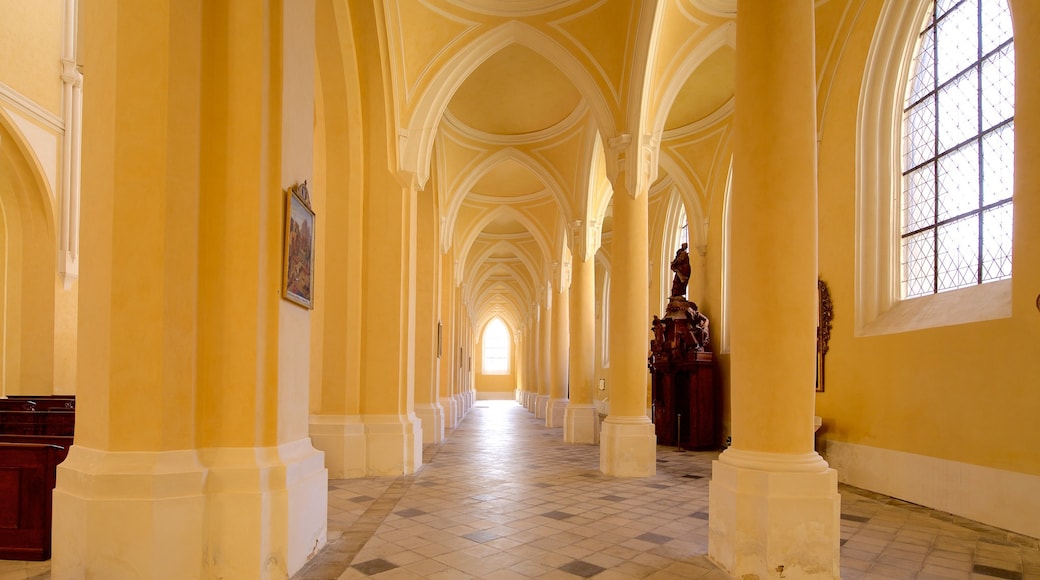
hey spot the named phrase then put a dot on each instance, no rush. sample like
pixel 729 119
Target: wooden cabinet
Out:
pixel 683 387
pixel 684 404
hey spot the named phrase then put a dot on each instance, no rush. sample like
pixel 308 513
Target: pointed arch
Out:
pixel 725 35
pixel 509 212
pixel 28 267
pixel 457 195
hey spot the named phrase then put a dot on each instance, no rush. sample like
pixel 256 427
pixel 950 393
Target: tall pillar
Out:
pixel 531 343
pixel 544 354
pixel 335 423
pixel 191 436
pixel 628 444
pixel 427 402
pixel 773 500
pixel 579 422
pixel 133 486
pixel 449 349
pixel 560 346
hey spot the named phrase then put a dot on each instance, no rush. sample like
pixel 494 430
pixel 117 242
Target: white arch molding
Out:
pixel 415 139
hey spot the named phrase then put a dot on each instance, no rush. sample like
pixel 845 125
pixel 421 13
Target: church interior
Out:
pixel 273 251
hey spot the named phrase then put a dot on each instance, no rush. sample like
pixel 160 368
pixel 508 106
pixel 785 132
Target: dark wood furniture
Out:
pixel 35 436
pixel 27 472
pixel 683 384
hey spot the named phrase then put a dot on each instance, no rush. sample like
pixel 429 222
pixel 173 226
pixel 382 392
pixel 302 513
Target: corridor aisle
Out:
pixel 503 497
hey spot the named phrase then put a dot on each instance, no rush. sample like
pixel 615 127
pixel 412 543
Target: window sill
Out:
pixel 989 301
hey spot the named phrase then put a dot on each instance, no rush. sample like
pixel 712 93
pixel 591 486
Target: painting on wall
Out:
pixel 298 263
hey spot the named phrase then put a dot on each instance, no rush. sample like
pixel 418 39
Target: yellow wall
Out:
pixel 494 383
pixel 33 31
pixel 966 392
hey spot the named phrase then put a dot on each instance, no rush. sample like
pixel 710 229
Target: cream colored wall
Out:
pixel 66 312
pixel 965 393
pixel 33 31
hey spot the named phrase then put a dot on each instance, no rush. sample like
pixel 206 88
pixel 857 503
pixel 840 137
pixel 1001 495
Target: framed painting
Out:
pixel 824 318
pixel 298 263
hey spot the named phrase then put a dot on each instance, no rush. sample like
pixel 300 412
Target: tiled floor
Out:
pixel 503 497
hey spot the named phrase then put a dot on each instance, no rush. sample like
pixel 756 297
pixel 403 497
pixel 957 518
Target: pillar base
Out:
pixel 342 439
pixel 529 400
pixel 368 445
pixel 267 509
pixel 450 412
pixel 554 412
pixel 768 510
pixel 579 424
pixel 628 447
pixel 541 404
pixel 459 407
pixel 128 515
pixel 432 417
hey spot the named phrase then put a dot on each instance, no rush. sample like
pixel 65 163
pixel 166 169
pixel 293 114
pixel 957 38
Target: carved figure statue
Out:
pixel 681 266
pixel 698 325
pixel 659 334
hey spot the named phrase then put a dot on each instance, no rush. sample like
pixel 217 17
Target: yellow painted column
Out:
pixel 194 390
pixel 129 498
pixel 257 140
pixel 771 482
pixel 628 444
pixel 427 373
pixel 393 433
pixel 531 350
pixel 544 353
pixel 335 422
pixel 579 422
pixel 560 352
pixel 449 348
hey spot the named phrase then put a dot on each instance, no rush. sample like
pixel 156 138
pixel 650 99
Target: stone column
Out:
pixel 427 376
pixel 558 397
pixel 773 499
pixel 191 435
pixel 132 489
pixel 544 354
pixel 449 348
pixel 628 444
pixel 579 422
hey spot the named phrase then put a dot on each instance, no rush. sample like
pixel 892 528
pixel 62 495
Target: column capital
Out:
pixel 585 238
pixel 632 162
pixel 408 180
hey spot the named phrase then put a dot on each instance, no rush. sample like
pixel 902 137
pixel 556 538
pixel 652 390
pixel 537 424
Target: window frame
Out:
pixel 879 305
pixel 934 96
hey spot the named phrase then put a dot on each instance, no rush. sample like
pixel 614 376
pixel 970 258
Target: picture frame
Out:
pixel 825 316
pixel 298 250
pixel 440 339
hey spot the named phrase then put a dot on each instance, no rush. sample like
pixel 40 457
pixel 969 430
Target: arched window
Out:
pixel 682 234
pixel 495 348
pixel 933 204
pixel 958 149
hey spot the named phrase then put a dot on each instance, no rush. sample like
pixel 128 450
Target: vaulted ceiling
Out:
pixel 526 89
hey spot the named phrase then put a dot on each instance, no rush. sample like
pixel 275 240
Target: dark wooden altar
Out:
pixel 683 386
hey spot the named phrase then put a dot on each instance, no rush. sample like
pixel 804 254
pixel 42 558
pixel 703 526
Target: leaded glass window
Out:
pixel 959 148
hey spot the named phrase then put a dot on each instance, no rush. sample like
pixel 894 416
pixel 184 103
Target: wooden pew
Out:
pixel 27 473
pixel 35 436
pixel 62 441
